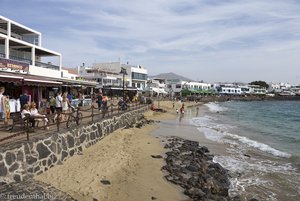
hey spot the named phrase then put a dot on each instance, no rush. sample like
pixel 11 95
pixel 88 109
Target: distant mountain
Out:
pixel 170 76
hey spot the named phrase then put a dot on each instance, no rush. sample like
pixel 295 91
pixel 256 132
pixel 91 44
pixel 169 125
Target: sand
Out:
pixel 123 158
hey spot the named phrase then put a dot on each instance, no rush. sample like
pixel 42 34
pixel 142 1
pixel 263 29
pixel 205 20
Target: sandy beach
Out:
pixel 124 159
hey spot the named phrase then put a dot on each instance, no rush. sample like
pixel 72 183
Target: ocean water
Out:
pixel 263 140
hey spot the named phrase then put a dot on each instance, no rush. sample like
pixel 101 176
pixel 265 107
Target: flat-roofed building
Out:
pixel 21 50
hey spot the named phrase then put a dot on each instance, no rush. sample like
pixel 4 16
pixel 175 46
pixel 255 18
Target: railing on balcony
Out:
pixel 45 65
pixel 2 55
pixel 28 61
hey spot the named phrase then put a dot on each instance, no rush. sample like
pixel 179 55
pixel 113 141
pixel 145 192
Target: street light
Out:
pixel 123 71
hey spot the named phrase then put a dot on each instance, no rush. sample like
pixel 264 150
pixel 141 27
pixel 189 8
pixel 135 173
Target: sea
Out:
pixel 262 140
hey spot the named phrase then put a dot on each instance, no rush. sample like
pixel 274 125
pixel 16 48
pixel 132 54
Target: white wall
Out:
pixel 33 70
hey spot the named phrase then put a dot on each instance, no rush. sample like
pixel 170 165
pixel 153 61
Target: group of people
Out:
pixel 30 111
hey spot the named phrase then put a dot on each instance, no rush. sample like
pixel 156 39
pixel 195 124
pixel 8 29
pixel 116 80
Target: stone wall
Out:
pixel 18 163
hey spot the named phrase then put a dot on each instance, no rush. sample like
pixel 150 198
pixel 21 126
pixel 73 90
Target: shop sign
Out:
pixel 13 65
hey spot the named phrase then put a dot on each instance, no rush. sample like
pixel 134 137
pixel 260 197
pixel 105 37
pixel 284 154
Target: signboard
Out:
pixel 13 65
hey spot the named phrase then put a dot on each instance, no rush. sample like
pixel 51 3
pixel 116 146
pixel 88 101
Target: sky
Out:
pixel 210 40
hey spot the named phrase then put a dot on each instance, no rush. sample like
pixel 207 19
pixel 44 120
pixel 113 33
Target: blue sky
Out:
pixel 210 40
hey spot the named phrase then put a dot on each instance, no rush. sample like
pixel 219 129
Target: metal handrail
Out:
pixel 28 61
pixel 45 65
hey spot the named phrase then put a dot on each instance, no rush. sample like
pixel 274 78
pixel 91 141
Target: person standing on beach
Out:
pixel 182 109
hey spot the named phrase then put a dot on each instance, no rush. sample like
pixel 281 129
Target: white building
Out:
pixel 106 74
pixel 157 86
pixel 175 86
pixel 279 87
pixel 235 89
pixel 137 76
pixel 257 90
pixel 109 77
pixel 231 90
pixel 23 46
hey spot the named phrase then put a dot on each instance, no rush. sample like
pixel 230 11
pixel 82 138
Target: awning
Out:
pixel 38 82
pixel 11 78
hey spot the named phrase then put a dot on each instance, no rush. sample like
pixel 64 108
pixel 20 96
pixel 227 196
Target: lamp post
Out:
pixel 123 72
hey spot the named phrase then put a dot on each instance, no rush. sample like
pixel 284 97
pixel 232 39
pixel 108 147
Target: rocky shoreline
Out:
pixel 191 166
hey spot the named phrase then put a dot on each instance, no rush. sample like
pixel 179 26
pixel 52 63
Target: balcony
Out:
pixel 28 61
pixel 46 65
pixel 2 55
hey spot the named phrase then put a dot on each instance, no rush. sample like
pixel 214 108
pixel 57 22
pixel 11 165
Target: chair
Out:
pixel 17 120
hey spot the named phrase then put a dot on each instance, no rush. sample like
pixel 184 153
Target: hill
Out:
pixel 171 76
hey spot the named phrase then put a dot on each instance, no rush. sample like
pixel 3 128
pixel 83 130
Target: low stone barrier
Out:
pixel 23 161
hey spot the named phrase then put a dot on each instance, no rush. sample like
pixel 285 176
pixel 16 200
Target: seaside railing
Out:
pixel 79 116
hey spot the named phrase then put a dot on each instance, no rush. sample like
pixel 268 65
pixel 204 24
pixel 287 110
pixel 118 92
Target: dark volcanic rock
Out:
pixel 156 156
pixel 190 166
pixel 43 150
pixel 105 182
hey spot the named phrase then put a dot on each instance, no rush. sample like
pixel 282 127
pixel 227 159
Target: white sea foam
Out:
pixel 221 136
pixel 239 165
pixel 209 122
pixel 212 134
pixel 250 172
pixel 258 145
pixel 215 107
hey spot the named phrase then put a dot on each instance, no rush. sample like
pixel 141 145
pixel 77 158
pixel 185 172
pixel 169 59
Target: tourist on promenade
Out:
pixel 25 112
pixel 48 108
pixel 52 104
pixel 24 99
pixel 99 101
pixel 65 106
pixel 69 96
pixel 104 103
pixel 3 101
pixel 35 113
pixel 58 104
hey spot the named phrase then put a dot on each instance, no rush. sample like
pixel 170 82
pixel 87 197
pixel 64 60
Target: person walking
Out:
pixel 58 105
pixel 65 106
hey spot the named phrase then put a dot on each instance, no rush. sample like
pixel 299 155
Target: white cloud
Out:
pixel 205 37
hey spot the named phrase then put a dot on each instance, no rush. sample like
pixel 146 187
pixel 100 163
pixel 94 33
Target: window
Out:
pixel 138 76
pixel 178 86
